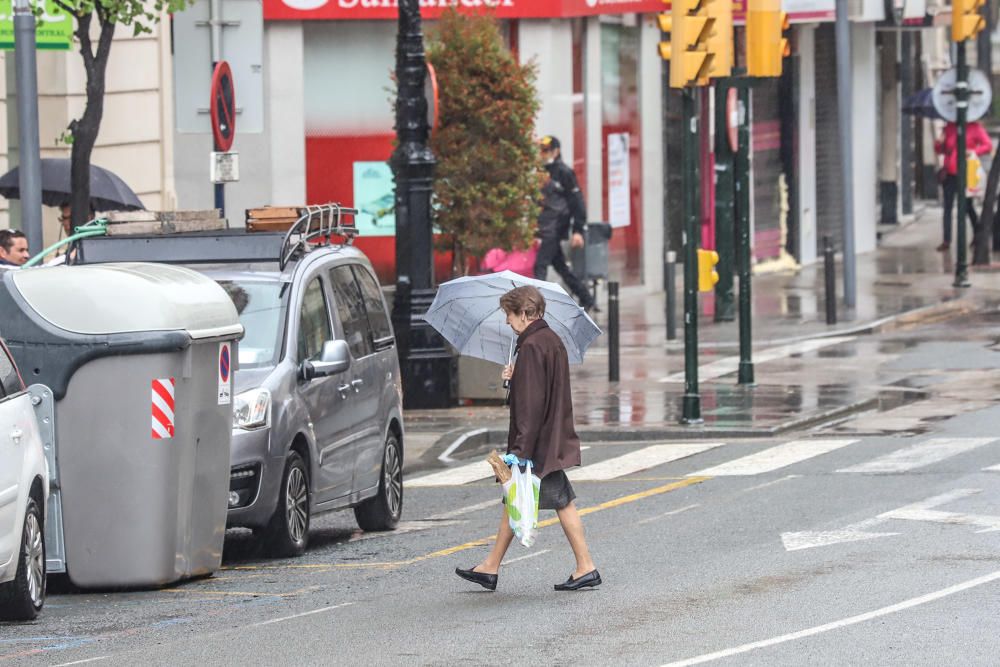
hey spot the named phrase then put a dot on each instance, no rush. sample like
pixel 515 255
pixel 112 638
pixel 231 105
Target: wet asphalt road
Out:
pixel 873 540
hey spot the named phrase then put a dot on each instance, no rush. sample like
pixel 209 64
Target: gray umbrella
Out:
pixel 466 311
pixel 107 191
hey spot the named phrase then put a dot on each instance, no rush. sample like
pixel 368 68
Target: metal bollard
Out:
pixel 613 343
pixel 830 271
pixel 670 276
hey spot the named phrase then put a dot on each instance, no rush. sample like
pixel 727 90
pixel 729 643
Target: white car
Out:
pixel 24 489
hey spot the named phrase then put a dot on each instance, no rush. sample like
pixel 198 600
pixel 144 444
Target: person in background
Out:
pixel 977 141
pixel 13 247
pixel 542 431
pixel 562 209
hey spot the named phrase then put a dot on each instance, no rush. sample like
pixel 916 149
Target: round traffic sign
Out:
pixel 733 119
pixel 223 106
pixel 431 93
pixel 980 95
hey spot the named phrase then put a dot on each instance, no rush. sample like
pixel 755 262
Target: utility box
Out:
pixel 139 359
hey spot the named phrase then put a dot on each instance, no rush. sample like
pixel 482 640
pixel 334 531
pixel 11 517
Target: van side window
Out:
pixel 314 322
pixel 375 307
pixel 351 310
pixel 10 383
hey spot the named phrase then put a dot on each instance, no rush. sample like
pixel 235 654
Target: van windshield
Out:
pixel 261 307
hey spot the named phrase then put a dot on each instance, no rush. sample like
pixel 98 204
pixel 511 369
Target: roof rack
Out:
pixel 315 227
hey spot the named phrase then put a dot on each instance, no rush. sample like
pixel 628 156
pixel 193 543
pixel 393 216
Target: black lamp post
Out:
pixel 427 366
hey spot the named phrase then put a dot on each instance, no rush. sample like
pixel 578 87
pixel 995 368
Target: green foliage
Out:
pixel 142 16
pixel 487 178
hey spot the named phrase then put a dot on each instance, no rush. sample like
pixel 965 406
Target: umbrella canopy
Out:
pixel 466 311
pixel 107 191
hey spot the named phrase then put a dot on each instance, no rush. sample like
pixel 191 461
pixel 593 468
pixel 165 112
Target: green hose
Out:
pixel 96 227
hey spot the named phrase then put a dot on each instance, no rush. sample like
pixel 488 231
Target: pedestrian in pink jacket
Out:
pixel 977 141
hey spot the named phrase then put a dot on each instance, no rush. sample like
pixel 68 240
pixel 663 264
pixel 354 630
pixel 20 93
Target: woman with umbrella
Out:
pixel 541 430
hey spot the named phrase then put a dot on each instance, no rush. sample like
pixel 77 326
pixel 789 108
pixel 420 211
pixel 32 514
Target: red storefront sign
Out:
pixel 503 9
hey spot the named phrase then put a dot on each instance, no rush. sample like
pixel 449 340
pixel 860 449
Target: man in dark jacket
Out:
pixel 562 208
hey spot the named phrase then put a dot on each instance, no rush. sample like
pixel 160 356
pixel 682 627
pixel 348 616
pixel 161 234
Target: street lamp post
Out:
pixel 428 368
pixel 30 185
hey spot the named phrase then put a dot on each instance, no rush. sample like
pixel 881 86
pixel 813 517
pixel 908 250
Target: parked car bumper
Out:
pixel 254 479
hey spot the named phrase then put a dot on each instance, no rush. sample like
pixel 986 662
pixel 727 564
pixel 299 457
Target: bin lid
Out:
pixel 129 297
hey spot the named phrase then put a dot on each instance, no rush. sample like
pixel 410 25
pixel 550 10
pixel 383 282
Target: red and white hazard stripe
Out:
pixel 163 408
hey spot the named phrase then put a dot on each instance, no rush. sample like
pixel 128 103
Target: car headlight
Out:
pixel 252 409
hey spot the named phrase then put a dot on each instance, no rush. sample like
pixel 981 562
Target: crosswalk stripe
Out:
pixel 643 459
pixel 919 455
pixel 463 474
pixel 774 458
pixel 995 468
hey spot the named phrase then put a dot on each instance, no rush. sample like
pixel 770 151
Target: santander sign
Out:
pixel 504 9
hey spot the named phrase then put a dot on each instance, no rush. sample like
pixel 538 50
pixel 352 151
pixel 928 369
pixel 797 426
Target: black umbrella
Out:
pixel 107 191
pixel 921 103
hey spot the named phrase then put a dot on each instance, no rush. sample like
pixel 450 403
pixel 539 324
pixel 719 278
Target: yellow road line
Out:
pixel 388 565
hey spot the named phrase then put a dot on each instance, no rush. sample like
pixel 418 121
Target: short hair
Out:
pixel 525 299
pixel 7 237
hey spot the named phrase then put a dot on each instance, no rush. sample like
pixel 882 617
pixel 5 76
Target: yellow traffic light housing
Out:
pixel 766 43
pixel 719 43
pixel 966 21
pixel 707 275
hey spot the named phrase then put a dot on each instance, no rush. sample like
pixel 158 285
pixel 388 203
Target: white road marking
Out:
pixel 642 459
pixel 520 558
pixel 303 614
pixel 728 365
pixel 465 510
pixel 842 623
pixel 774 458
pixel 995 468
pixel 919 455
pixel 855 532
pixel 83 662
pixel 771 483
pixel 470 472
pixel 403 527
pixel 463 474
pixel 666 514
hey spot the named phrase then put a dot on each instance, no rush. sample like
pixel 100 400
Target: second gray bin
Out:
pixel 143 493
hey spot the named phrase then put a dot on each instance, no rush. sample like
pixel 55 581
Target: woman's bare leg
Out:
pixel 504 537
pixel 569 518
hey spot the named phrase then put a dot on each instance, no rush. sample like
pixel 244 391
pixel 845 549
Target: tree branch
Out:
pixel 83 34
pixel 104 42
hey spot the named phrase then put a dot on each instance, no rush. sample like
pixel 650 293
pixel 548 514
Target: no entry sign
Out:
pixel 223 106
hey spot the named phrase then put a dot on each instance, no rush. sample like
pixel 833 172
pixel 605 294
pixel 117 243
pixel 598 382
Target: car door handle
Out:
pixel 343 389
pixel 16 436
pixel 357 384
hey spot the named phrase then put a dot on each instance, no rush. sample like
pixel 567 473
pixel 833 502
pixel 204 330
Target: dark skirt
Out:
pixel 555 492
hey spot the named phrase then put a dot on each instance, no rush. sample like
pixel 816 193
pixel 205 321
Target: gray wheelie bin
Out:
pixel 139 359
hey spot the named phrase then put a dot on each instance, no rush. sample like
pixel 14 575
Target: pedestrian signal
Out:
pixel 966 21
pixel 707 275
pixel 766 43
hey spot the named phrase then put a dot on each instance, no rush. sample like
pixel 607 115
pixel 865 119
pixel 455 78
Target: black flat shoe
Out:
pixel 592 578
pixel 487 581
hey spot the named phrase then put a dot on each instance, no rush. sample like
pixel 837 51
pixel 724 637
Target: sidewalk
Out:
pixel 806 371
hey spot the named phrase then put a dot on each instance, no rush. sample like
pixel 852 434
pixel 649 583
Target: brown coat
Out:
pixel 541 405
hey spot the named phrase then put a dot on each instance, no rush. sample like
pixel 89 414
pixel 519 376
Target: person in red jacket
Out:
pixel 977 141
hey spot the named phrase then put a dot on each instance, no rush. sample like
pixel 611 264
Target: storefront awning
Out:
pixel 503 9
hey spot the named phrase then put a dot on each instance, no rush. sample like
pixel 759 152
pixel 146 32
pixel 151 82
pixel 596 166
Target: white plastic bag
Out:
pixel 521 499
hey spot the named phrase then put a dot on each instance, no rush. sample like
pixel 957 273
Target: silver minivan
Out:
pixel 317 419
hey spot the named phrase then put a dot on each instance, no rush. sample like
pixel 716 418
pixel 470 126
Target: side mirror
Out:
pixel 335 358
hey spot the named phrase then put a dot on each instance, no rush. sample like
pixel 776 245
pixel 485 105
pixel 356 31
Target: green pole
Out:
pixel 689 157
pixel 742 186
pixel 725 235
pixel 962 97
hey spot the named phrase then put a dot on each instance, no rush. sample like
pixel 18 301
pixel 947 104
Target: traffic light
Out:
pixel 720 37
pixel 707 275
pixel 966 21
pixel 766 45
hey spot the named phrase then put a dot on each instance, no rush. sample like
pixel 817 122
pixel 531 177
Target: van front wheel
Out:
pixel 288 532
pixel 382 512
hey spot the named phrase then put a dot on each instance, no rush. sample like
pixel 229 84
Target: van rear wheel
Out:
pixel 288 532
pixel 383 511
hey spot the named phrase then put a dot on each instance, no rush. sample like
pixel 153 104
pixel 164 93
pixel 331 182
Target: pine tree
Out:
pixel 487 177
